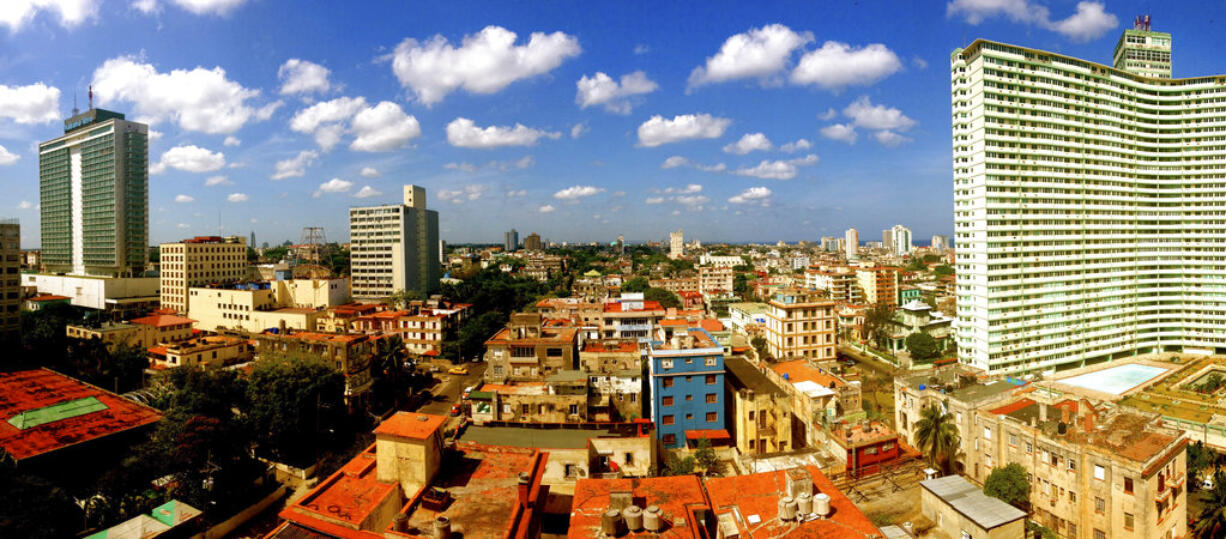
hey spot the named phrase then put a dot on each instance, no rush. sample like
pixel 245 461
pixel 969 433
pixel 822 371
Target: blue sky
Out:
pixel 576 120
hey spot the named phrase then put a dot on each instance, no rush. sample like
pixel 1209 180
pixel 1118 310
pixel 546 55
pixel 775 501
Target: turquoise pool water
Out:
pixel 1115 380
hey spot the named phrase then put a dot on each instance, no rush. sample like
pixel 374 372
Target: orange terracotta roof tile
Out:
pixel 800 371
pixel 411 425
pixel 162 320
pixel 758 494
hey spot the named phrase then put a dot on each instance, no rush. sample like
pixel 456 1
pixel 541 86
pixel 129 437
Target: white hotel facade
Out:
pixel 1090 205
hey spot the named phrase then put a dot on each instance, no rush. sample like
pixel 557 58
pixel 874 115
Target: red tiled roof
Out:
pixel 24 391
pixel 710 434
pixel 676 496
pixel 800 371
pixel 48 297
pixel 711 324
pixel 758 494
pixel 600 347
pixel 1013 407
pixel 648 305
pixel 411 425
pixel 162 320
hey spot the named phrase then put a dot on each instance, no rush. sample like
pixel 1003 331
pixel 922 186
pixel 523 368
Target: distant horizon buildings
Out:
pixel 94 196
pixel 510 241
pixel 940 242
pixel 394 247
pixel 1088 202
pixel 533 242
pixel 676 244
pixel 899 240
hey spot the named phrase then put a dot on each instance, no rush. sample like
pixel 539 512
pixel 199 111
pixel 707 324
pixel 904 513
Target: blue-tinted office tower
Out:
pixel 687 387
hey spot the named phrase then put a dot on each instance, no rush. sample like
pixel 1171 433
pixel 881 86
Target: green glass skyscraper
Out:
pixel 94 195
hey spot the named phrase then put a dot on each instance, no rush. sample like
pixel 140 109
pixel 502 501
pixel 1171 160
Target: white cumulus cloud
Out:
pixel 514 193
pixel 190 159
pixel 838 65
pixel 458 196
pixel 759 53
pixel 869 116
pixel 7 157
pixel 463 133
pixel 294 167
pixel 382 128
pixel 198 99
pixel 658 130
pixel 578 130
pixel 890 139
pixel 617 97
pixel 753 195
pixel 183 199
pixel 198 7
pixel 577 192
pixel 17 13
pixel 237 197
pixel 484 63
pixel 798 145
pixel 367 192
pixel 214 181
pixel 778 169
pixel 303 77
pixel 335 185
pixel 25 205
pixel 547 208
pixel 1089 22
pixel 841 132
pixel 369 172
pixel 231 141
pixel 31 104
pixel 749 142
pixel 679 161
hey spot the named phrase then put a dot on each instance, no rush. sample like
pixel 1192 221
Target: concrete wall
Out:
pixel 413 463
pixel 92 292
pixel 953 523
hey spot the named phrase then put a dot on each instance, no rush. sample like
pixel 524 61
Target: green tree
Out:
pixel 680 466
pixel 943 270
pixel 937 437
pixel 667 299
pixel 293 400
pixel 705 456
pixel 275 254
pixel 1211 521
pixel 637 284
pixel 1009 484
pixel 401 298
pixel 33 507
pixel 390 372
pixel 922 346
pixel 1198 460
pixel 759 345
pixel 877 322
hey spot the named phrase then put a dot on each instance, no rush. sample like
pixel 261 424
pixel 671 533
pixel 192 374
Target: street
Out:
pixel 447 391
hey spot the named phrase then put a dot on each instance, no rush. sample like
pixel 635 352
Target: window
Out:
pixel 1100 473
pixel 710 397
pixel 1072 497
pixel 668 382
pixel 667 401
pixel 574 409
pixel 666 363
pixel 670 439
pixel 668 420
pixel 629 458
pixel 1127 485
pixel 1100 505
pixel 711 362
pixel 1072 465
pixel 1128 521
pixel 1012 439
pixel 1029 448
pixel 1072 530
pixel 1099 534
pixel 987 433
pixel 710 379
pixel 712 417
pixel 987 460
pixel 689 398
pixel 751 415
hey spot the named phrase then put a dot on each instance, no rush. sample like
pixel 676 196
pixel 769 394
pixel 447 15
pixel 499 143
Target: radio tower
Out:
pixel 313 243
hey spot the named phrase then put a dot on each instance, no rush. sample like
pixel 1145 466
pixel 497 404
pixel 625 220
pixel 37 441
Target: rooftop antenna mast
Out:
pixel 75 110
pixel 91 97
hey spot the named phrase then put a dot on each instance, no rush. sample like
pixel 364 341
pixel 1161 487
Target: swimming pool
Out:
pixel 1115 380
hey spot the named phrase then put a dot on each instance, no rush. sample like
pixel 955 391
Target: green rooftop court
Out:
pixel 56 412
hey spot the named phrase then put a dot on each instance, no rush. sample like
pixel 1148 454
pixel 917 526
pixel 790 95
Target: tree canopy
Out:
pixel 922 346
pixel 937 436
pixel 667 299
pixel 1009 484
pixel 290 399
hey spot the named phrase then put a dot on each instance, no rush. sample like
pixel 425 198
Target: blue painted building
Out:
pixel 687 387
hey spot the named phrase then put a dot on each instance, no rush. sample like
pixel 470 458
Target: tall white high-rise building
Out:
pixel 394 247
pixel 1088 202
pixel 899 240
pixel 851 242
pixel 676 244
pixel 940 243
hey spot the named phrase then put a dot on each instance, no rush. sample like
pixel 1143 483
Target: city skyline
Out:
pixel 303 128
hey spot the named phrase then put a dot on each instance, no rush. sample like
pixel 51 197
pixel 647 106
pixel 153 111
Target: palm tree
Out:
pixel 1211 522
pixel 937 436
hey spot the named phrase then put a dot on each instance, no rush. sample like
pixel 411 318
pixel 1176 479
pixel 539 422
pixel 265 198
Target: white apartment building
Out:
pixel 899 240
pixel 1088 205
pixel 851 242
pixel 715 280
pixel 676 244
pixel 199 261
pixel 720 261
pixel 395 247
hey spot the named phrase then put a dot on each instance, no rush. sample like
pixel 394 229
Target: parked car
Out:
pixel 467 391
pixel 458 370
pixel 455 409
